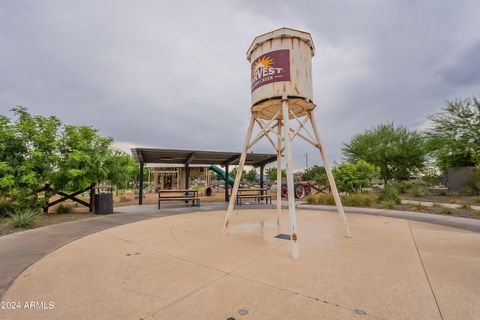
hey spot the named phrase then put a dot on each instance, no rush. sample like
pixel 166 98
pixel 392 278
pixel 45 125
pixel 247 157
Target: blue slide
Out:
pixel 222 174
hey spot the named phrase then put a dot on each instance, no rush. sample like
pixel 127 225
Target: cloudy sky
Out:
pixel 174 74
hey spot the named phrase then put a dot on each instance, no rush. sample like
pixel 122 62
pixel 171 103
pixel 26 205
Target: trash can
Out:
pixel 103 200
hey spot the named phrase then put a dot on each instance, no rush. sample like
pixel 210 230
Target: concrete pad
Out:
pixel 452 262
pixel 182 267
pixel 227 296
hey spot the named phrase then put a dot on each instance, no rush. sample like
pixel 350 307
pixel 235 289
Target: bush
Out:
pixel 6 207
pixel 359 200
pixel 355 177
pixel 389 193
pixel 401 186
pixel 418 190
pixel 23 218
pixel 388 204
pixel 326 199
pixel 64 208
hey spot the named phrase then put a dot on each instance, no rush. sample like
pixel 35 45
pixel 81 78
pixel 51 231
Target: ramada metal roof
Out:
pixel 173 156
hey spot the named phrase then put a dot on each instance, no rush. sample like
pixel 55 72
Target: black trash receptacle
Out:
pixel 103 203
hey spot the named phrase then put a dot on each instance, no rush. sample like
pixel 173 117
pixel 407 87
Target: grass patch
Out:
pixel 23 218
pixel 389 193
pixel 64 208
pixel 388 204
pixel 446 210
pixel 6 207
pixel 326 199
pixel 359 200
pixel 418 190
pixel 418 207
pixel 464 205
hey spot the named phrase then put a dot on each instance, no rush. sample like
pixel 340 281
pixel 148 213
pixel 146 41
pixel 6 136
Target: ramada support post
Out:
pixel 140 187
pixel 262 169
pixel 226 182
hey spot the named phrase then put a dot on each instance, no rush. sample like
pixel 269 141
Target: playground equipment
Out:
pixel 302 189
pixel 281 88
pixel 222 174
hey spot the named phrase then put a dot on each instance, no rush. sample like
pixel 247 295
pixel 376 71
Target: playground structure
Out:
pixel 222 174
pixel 281 89
pixel 303 189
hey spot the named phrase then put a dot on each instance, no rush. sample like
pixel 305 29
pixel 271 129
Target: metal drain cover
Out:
pixel 243 312
pixel 360 312
pixel 283 236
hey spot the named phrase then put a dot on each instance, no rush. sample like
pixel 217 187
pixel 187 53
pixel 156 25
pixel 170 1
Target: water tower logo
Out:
pixel 271 67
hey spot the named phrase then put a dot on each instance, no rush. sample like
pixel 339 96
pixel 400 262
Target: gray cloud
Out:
pixel 174 74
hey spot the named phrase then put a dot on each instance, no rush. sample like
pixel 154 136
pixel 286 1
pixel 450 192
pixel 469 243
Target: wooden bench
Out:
pixel 185 195
pixel 258 198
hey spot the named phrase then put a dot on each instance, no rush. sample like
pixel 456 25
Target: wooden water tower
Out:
pixel 281 74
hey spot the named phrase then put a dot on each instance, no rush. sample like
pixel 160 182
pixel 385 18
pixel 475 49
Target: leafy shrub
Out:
pixel 23 218
pixel 401 186
pixel 359 200
pixel 354 177
pixel 6 207
pixel 418 190
pixel 326 199
pixel 389 193
pixel 64 208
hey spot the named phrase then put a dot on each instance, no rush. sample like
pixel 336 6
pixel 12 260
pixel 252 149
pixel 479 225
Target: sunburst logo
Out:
pixel 273 66
pixel 264 62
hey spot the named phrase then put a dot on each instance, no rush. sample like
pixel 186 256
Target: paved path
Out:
pixel 20 250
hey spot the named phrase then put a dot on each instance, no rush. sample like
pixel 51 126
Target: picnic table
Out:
pixel 186 195
pixel 258 194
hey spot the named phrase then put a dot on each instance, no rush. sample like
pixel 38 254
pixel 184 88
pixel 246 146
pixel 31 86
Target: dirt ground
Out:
pixel 470 200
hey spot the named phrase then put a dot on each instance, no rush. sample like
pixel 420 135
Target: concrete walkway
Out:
pixel 182 267
pixel 20 250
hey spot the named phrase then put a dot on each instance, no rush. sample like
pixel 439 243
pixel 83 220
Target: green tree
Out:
pixel 317 174
pixel 354 177
pixel 397 151
pixel 272 173
pixel 454 138
pixel 37 150
pixel 28 155
pixel 84 157
pixel 122 169
pixel 233 174
pixel 251 175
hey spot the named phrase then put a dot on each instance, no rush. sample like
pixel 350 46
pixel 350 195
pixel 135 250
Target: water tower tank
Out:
pixel 281 64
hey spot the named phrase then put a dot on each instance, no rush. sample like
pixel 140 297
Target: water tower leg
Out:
pixel 279 170
pixel 290 187
pixel 233 196
pixel 331 180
